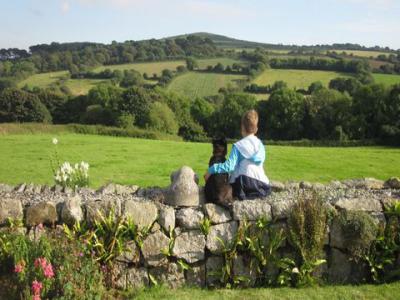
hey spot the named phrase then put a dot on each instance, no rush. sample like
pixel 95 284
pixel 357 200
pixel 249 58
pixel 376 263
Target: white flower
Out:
pixel 295 271
pixel 55 141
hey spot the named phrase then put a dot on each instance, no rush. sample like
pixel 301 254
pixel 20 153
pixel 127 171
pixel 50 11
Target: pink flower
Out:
pixel 48 271
pixel 40 226
pixel 36 297
pixel 18 268
pixel 40 261
pixel 36 287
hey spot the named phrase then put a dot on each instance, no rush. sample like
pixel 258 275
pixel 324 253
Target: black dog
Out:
pixel 217 189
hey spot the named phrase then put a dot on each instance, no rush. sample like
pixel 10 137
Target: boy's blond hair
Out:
pixel 250 121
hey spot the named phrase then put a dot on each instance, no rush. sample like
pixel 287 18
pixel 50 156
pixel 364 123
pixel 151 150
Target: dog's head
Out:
pixel 220 148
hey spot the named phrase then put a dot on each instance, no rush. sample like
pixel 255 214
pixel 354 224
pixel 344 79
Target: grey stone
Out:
pixel 130 254
pixel 292 185
pixel 276 186
pixel 365 183
pixel 359 204
pixel 155 227
pixel 143 213
pixel 336 184
pixel 41 213
pixel 37 189
pixel 136 278
pixel 10 209
pixel 102 207
pixel 152 249
pixel 305 185
pixel 67 190
pixel 225 232
pixel 281 209
pixel 71 212
pixel 21 188
pixel 217 214
pixel 318 186
pixel 166 217
pixel 171 275
pixel 125 190
pixel 339 269
pixel 251 210
pixel 184 189
pixel 392 183
pixel 243 269
pixel 107 189
pixel 57 189
pixel 190 246
pixel 29 188
pixel 196 276
pixel 189 218
pixel 5 188
pixel 214 266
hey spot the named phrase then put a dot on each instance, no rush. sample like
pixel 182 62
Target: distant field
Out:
pixel 196 84
pixel 388 79
pixel 297 78
pixel 25 158
pixel 43 79
pixel 362 53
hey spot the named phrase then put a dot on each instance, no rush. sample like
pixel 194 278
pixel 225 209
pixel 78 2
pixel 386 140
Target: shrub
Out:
pixel 161 118
pixel 125 121
pixel 307 229
pixel 359 231
pixel 20 106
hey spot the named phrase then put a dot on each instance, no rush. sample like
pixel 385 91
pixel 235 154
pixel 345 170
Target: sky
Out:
pixel 307 22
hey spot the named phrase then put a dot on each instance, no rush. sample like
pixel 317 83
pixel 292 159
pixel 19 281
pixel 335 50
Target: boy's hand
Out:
pixel 206 176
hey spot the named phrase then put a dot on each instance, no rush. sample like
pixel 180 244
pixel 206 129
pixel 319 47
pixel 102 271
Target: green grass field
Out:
pixel 296 78
pixel 362 292
pixel 388 79
pixel 43 79
pixel 196 84
pixel 25 158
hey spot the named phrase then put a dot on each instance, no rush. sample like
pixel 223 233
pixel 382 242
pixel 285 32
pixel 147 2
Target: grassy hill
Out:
pixel 296 78
pixel 150 162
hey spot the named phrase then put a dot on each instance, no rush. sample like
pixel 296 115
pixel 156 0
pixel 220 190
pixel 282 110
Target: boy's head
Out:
pixel 220 147
pixel 249 124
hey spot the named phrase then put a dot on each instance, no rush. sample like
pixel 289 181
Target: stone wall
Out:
pixel 53 206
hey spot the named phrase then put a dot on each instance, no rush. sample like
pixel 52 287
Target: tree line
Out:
pixel 347 110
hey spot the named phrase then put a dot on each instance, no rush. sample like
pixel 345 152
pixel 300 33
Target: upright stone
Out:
pixel 71 211
pixel 184 189
pixel 10 208
pixel 41 213
pixel 189 218
pixel 217 214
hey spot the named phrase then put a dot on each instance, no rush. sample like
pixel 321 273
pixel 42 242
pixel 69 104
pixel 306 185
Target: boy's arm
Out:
pixel 228 166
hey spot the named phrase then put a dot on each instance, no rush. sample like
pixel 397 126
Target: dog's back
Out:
pixel 217 189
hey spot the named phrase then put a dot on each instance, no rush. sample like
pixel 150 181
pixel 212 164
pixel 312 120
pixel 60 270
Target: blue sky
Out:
pixel 367 22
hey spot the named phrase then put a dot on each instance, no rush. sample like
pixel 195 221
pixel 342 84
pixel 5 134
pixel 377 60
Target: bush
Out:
pixel 20 106
pixel 161 118
pixel 359 231
pixel 136 101
pixel 125 121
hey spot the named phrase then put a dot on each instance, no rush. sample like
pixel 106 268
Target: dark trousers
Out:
pixel 245 187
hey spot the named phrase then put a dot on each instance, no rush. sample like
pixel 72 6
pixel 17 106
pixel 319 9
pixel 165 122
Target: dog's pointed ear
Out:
pixel 196 178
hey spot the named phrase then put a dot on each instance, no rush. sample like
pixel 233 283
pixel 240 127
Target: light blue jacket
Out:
pixel 236 157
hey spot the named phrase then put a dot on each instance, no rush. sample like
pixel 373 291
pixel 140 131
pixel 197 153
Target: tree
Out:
pixel 131 78
pixel 350 85
pixel 219 68
pixel 226 119
pixel 191 63
pixel 280 84
pixel 136 101
pixel 330 113
pixel 161 118
pixel 284 114
pixel 21 106
pixel 315 86
pixel 201 111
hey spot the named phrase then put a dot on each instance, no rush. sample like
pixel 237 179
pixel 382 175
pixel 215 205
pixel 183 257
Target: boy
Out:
pixel 245 162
